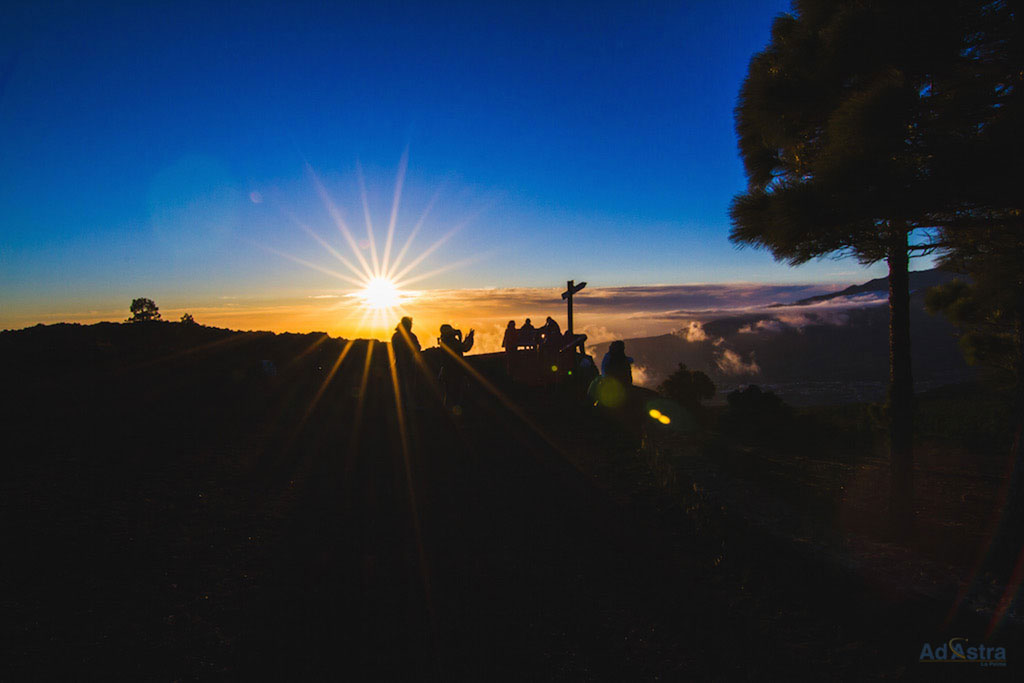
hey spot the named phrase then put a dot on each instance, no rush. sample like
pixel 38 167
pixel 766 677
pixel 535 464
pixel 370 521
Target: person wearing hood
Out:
pixel 617 365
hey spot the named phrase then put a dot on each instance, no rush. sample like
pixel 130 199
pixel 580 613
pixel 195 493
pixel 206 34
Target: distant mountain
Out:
pixel 920 280
pixel 807 353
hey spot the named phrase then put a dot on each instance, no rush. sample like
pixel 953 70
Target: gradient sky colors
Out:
pixel 174 151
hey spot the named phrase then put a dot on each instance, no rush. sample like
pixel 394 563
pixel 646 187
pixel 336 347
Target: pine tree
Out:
pixel 144 310
pixel 852 123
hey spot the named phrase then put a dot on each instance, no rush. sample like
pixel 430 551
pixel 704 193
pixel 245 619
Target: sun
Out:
pixel 380 293
pixel 379 280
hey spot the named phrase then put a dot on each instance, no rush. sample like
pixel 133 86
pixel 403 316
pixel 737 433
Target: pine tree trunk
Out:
pixel 901 392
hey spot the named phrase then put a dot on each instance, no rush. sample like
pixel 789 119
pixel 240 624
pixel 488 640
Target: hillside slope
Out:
pixel 820 350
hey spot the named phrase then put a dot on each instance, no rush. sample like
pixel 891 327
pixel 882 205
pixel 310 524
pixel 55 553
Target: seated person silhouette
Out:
pixel 551 332
pixel 451 338
pixel 528 335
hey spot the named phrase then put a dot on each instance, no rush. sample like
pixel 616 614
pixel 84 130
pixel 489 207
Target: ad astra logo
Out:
pixel 960 650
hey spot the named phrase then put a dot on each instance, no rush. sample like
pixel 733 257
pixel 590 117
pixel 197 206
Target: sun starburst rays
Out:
pixel 339 221
pixel 415 230
pixel 376 296
pixel 399 181
pixel 376 280
pixel 369 221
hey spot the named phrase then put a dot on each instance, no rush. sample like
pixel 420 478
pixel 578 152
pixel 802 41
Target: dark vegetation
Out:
pixel 182 501
pixel 758 414
pixel 688 387
pixel 145 310
pixel 880 130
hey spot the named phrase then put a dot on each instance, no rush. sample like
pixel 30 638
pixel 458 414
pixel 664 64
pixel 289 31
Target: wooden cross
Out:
pixel 571 289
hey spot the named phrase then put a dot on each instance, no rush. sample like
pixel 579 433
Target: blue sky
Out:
pixel 170 150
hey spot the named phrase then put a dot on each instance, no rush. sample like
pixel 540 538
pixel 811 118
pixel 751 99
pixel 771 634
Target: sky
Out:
pixel 212 157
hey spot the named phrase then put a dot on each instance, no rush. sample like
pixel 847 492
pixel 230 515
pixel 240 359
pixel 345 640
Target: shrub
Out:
pixel 687 387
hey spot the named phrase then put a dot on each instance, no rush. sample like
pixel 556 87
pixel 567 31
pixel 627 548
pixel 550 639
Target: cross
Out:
pixel 571 289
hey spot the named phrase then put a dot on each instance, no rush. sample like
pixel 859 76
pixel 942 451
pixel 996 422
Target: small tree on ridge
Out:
pixel 144 310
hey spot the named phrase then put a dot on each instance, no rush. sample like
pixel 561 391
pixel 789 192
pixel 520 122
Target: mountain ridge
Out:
pixel 808 354
pixel 919 280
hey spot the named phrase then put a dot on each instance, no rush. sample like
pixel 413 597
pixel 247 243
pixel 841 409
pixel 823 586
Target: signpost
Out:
pixel 571 289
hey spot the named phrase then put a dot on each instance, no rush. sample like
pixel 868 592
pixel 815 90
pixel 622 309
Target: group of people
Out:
pixel 530 337
pixel 452 375
pixel 405 345
pixel 406 349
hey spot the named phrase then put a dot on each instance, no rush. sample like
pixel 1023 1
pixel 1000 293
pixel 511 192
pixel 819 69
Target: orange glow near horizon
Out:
pixel 344 313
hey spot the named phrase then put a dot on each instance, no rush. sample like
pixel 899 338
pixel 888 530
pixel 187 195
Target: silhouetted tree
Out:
pixel 985 238
pixel 989 311
pixel 688 387
pixel 753 411
pixel 187 319
pixel 144 310
pixel 849 125
pixel 986 328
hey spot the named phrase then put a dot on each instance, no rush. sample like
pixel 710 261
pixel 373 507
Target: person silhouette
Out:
pixel 528 334
pixel 551 332
pixel 509 342
pixel 616 392
pixel 617 365
pixel 406 349
pixel 452 373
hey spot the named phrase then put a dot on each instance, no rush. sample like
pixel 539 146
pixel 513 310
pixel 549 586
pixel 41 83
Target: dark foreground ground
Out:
pixel 174 508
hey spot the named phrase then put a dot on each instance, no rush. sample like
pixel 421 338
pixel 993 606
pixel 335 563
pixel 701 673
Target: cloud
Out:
pixel 766 325
pixel 817 317
pixel 850 301
pixel 703 297
pixel 797 320
pixel 599 333
pixel 488 338
pixel 731 363
pixel 694 332
pixel 643 377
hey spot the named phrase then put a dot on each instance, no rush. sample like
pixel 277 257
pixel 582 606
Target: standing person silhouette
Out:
pixel 511 338
pixel 406 349
pixel 452 375
pixel 617 365
pixel 510 342
pixel 618 393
